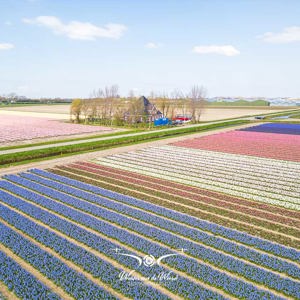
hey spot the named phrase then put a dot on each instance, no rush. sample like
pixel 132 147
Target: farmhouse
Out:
pixel 144 111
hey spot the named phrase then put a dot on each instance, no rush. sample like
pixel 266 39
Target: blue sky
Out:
pixel 69 48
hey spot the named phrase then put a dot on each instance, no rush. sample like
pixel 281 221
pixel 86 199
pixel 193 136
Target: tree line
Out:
pixel 106 107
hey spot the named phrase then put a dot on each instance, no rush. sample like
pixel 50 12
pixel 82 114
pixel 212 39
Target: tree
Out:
pixel 76 109
pixel 180 103
pixel 85 108
pixel 196 101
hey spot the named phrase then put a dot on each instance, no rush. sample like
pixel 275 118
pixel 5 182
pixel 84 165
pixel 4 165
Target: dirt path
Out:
pixel 91 155
pixel 6 293
pixel 183 274
pixel 56 289
pixel 69 263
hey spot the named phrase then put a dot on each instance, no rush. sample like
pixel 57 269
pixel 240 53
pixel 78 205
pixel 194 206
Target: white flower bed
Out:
pixel 171 163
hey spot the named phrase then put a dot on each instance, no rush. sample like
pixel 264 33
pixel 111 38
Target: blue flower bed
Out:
pixel 231 234
pixel 194 234
pixel 236 287
pixel 182 286
pixel 275 128
pixel 71 281
pixel 21 282
pixel 89 262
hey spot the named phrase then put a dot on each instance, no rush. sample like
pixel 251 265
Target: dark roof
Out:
pixel 145 100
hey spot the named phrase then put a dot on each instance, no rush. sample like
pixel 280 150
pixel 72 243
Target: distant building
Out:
pixel 147 112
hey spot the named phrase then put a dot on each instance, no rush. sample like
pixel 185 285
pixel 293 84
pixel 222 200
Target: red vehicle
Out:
pixel 183 118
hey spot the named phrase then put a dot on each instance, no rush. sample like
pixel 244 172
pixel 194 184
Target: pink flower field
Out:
pixel 16 128
pixel 268 145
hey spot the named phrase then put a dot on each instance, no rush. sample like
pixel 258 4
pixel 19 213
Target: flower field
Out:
pixel 275 128
pixel 67 222
pixel 249 142
pixel 167 222
pixel 19 128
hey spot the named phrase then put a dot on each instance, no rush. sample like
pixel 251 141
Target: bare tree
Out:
pixel 163 103
pixel 196 101
pixel 85 108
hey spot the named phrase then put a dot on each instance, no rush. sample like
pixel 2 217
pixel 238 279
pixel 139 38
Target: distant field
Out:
pixel 209 114
pixel 19 128
pixel 61 112
pixel 57 109
pixel 213 114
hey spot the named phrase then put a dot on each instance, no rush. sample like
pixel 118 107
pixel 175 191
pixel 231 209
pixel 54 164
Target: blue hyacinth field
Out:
pixel 275 128
pixel 63 238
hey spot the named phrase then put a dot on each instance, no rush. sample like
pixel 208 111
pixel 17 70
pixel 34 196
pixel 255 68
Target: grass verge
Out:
pixel 41 154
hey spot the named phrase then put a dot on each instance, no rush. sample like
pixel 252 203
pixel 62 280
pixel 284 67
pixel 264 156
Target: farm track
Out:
pixel 181 207
pixel 189 276
pixel 119 244
pixel 6 293
pixel 95 154
pixel 55 288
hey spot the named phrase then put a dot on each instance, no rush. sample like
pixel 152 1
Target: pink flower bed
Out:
pixel 269 145
pixel 16 128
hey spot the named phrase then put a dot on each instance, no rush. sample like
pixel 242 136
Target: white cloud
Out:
pixel 78 30
pixel 8 23
pixel 287 35
pixel 226 50
pixel 6 46
pixel 152 45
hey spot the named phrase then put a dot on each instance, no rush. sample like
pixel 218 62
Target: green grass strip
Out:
pixel 32 155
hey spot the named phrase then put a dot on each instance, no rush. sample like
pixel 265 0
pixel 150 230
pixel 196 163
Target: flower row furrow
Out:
pixel 222 208
pixel 279 211
pixel 216 229
pixel 232 182
pixel 181 286
pixel 223 166
pixel 194 235
pixel 71 281
pixel 99 268
pixel 247 193
pixel 211 174
pixel 256 163
pixel 21 282
pixel 189 265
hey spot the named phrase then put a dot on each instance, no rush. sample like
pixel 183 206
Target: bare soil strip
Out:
pixel 193 198
pixel 190 277
pixel 50 284
pixel 198 191
pixel 9 295
pixel 154 226
pixel 196 210
pixel 128 247
pixel 67 262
